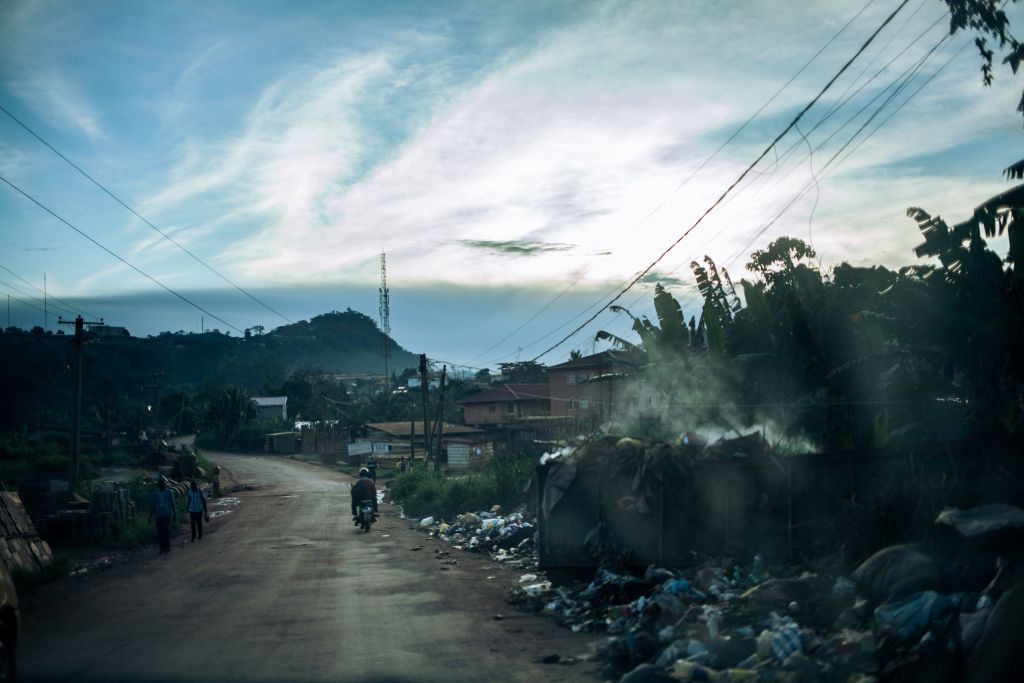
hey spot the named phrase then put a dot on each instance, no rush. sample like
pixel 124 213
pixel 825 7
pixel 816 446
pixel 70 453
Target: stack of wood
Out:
pixel 20 544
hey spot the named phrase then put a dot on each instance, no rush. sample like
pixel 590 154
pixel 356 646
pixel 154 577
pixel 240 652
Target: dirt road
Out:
pixel 284 588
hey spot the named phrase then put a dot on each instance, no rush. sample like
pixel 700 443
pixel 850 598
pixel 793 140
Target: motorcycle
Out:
pixel 365 515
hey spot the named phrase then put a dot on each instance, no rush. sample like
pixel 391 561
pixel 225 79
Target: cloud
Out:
pixel 572 147
pixel 516 247
pixel 657 278
pixel 31 70
pixel 57 100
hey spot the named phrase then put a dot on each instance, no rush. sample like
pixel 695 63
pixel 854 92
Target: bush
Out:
pixel 501 481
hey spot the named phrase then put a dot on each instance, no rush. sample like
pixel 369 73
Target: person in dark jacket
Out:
pixel 162 508
pixel 363 489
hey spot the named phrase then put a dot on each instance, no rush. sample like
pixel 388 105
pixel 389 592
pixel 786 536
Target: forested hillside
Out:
pixel 36 369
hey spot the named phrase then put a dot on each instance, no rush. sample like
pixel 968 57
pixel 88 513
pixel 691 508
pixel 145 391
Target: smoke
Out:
pixel 698 399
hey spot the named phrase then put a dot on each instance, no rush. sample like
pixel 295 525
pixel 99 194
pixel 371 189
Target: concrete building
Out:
pixel 584 389
pixel 500 405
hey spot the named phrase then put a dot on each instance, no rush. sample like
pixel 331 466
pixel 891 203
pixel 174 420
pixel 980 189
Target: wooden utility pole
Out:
pixel 439 423
pixel 154 376
pixel 412 430
pixel 426 414
pixel 76 408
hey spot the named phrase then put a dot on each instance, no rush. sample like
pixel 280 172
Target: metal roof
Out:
pixel 267 401
pixel 402 428
pixel 510 392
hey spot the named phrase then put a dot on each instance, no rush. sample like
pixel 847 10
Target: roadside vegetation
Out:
pixel 503 481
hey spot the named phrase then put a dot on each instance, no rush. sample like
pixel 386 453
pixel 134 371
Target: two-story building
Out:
pixel 510 411
pixel 585 389
pixel 506 403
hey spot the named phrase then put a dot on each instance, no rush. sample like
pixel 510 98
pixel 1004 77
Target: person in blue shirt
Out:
pixel 197 510
pixel 162 508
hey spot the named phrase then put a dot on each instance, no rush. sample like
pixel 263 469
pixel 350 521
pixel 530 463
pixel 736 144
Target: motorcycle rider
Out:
pixel 363 489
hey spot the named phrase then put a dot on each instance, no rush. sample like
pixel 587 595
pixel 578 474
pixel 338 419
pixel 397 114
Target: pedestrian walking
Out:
pixel 371 465
pixel 162 508
pixel 197 510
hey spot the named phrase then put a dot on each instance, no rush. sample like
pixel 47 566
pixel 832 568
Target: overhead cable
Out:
pixel 143 219
pixel 738 180
pixel 35 298
pixel 686 180
pixel 48 296
pixel 119 258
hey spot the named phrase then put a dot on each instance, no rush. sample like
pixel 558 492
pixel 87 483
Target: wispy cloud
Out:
pixel 516 247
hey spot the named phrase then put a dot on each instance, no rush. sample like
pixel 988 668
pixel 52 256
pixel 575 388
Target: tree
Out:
pixel 524 372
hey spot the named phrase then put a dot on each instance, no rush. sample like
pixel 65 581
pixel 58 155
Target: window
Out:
pixel 510 409
pixel 570 378
pixel 574 404
pixel 492 408
pixel 585 404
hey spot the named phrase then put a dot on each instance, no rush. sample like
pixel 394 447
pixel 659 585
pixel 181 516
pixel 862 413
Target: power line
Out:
pixel 49 296
pixel 738 180
pixel 684 182
pixel 119 258
pixel 22 301
pixel 142 218
pixel 35 298
pixel 834 157
pixel 900 81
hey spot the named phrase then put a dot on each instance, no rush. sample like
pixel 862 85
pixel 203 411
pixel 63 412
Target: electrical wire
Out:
pixel 142 218
pixel 47 295
pixel 738 180
pixel 26 303
pixel 35 298
pixel 119 258
pixel 835 156
pixel 900 81
pixel 686 180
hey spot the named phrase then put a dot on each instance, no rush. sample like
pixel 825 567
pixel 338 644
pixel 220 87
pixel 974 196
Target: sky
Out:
pixel 518 163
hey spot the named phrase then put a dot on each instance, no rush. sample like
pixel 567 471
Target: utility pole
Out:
pixel 439 423
pixel 385 319
pixel 76 410
pixel 426 415
pixel 412 430
pixel 46 315
pixel 154 376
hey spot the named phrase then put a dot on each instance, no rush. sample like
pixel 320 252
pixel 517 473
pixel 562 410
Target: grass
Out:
pixel 423 492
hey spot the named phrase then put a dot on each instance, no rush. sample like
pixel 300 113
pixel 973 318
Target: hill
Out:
pixel 36 369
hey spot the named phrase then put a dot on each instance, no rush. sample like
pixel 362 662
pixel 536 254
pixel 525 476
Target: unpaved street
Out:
pixel 284 588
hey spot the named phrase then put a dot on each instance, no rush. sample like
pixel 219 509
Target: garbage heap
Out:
pixel 510 539
pixel 952 610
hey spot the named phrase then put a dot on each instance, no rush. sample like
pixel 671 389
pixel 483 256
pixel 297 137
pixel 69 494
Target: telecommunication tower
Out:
pixel 385 318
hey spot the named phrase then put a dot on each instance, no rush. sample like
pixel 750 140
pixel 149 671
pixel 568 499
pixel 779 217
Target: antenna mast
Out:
pixel 385 318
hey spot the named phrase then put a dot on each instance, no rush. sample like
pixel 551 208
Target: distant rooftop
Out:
pixel 268 401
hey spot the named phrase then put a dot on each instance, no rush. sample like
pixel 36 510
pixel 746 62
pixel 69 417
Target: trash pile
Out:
pixel 949 611
pixel 510 539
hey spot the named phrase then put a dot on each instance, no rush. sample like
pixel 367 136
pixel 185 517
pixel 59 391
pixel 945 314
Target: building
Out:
pixel 506 403
pixel 271 407
pixel 108 331
pixel 584 389
pixel 391 440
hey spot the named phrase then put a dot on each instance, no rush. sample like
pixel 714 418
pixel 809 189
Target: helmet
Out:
pixel 363 472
